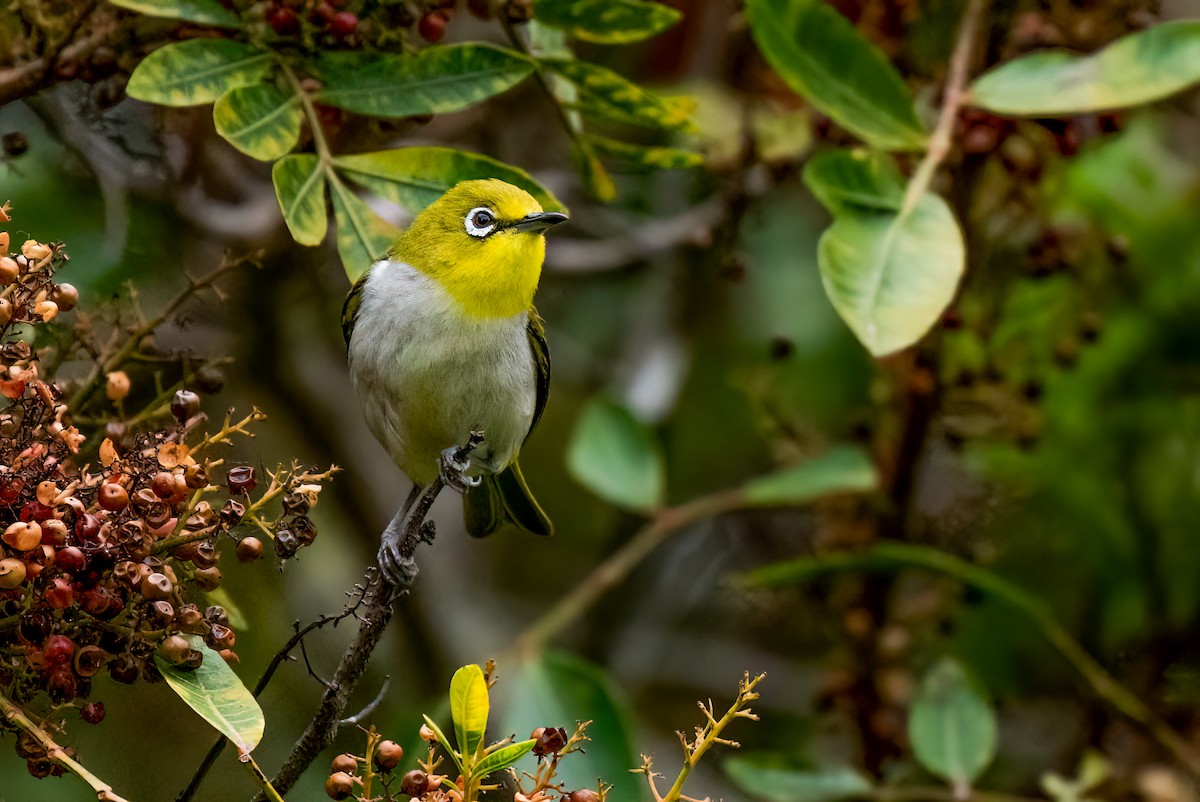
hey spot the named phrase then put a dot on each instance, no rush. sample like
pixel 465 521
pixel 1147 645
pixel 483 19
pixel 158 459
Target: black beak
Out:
pixel 538 222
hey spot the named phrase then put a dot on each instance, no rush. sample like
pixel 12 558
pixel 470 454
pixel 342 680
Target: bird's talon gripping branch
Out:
pixel 455 461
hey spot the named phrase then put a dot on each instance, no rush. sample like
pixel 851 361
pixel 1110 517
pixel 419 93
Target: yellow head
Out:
pixel 483 242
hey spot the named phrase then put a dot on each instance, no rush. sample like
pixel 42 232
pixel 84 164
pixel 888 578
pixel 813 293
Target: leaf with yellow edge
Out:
pixel 218 696
pixel 606 95
pixel 197 71
pixel 300 188
pixel 608 22
pixel 204 12
pixel 469 707
pixel 362 237
pixel 261 121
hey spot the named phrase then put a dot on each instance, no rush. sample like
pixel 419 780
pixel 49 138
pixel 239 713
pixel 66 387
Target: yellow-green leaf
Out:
pixel 362 237
pixel 609 22
pixel 436 80
pixel 502 758
pixel 218 696
pixel 196 71
pixel 469 709
pixel 444 742
pixel 261 121
pixel 641 158
pixel 413 178
pixel 891 275
pixel 606 95
pixel 204 12
pixel 820 55
pixel 1135 69
pixel 300 188
pixel 843 470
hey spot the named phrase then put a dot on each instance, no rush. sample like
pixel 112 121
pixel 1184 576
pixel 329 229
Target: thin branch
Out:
pixel 952 100
pixel 118 357
pixel 620 563
pixel 16 716
pixel 260 777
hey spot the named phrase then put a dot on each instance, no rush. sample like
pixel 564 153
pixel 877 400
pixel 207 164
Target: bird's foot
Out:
pixel 453 466
pixel 397 569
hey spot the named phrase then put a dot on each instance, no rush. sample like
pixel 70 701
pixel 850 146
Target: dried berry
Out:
pixel 117 387
pixel 207 578
pixel 123 669
pixel 89 660
pixel 249 549
pixel 241 480
pixel 345 762
pixel 582 795
pixel 59 594
pixel 156 586
pixel 92 712
pixel 175 649
pixel 415 783
pixel 549 740
pixel 58 650
pixel 112 497
pixel 65 296
pixel 185 405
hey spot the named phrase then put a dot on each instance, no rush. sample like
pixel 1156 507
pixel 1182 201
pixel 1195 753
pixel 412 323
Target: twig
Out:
pixel 131 343
pixel 16 716
pixel 284 654
pixel 952 100
pixel 371 707
pixel 260 777
pixel 25 79
pixel 621 562
pixel 324 725
pixel 887 556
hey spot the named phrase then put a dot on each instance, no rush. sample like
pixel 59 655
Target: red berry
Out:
pixel 285 23
pixel 92 712
pixel 241 479
pixel 58 650
pixel 112 497
pixel 432 26
pixel 70 559
pixel 87 528
pixel 61 685
pixel 343 23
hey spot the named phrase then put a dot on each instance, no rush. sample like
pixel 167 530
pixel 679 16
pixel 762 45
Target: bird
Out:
pixel 443 340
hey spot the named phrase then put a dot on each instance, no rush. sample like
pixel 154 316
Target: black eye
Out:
pixel 482 218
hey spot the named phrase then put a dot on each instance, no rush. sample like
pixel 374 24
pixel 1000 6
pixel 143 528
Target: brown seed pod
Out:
pixel 415 783
pixel 249 549
pixel 221 637
pixel 339 785
pixel 66 296
pixel 345 762
pixel 388 755
pixel 156 587
pixel 89 660
pixel 175 649
pixel 582 795
pixel 162 613
pixel 207 578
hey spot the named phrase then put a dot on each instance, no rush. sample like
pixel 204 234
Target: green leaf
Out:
pixel 218 696
pixel 204 12
pixel 952 726
pixel 557 690
pixel 502 758
pixel 300 188
pixel 261 121
pixel 617 457
pixel 820 55
pixel 197 71
pixel 640 159
pixel 469 708
pixel 436 80
pixel 762 776
pixel 605 95
pixel 444 742
pixel 846 469
pixel 362 238
pixel 844 179
pixel 1135 69
pixel 890 275
pixel 608 22
pixel 413 178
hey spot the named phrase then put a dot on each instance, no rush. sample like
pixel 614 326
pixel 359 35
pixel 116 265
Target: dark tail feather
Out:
pixel 503 499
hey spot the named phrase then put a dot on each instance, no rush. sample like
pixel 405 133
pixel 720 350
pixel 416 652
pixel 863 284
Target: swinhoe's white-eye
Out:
pixel 443 340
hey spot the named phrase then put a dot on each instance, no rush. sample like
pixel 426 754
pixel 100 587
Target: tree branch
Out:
pixel 952 100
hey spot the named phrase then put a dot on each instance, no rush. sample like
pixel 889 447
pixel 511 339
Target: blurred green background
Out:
pixel 1048 430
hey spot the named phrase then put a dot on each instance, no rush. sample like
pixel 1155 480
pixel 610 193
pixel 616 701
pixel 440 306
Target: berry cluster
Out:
pixel 104 563
pixel 346 23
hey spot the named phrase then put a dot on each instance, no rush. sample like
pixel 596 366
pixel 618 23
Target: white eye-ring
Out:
pixel 480 222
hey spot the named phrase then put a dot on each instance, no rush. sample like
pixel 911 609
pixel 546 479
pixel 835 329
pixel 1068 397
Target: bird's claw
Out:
pixel 453 466
pixel 398 570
